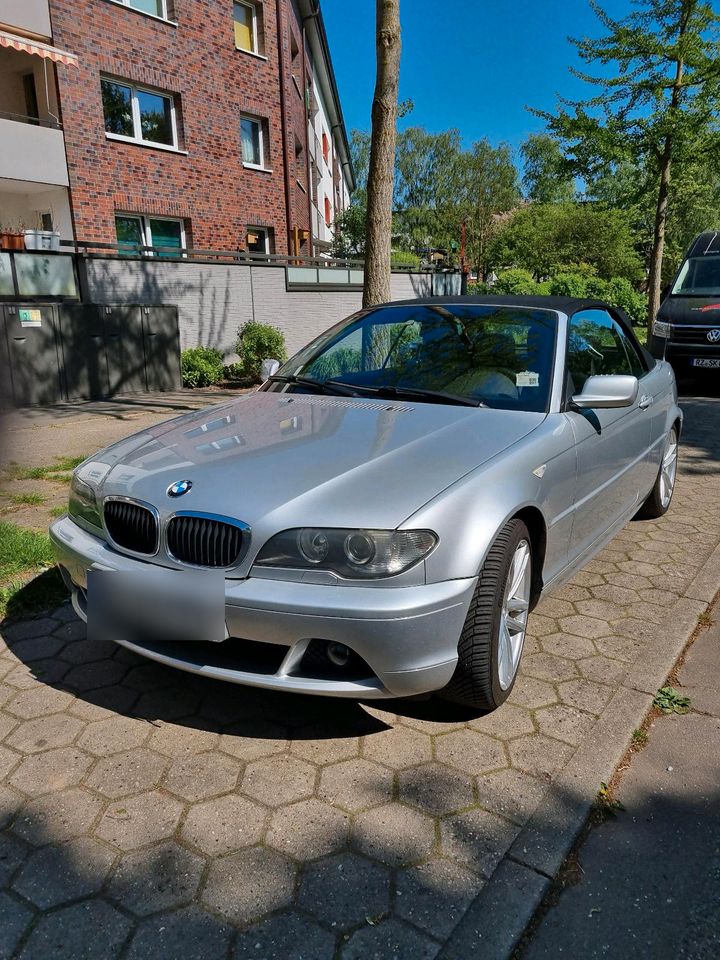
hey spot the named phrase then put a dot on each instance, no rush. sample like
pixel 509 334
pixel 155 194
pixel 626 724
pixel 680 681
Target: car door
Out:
pixel 611 444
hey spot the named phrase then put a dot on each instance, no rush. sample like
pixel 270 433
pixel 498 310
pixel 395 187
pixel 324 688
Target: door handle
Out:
pixel 645 401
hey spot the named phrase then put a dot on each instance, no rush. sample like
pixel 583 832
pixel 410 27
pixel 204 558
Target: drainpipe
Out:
pixel 283 99
pixel 311 16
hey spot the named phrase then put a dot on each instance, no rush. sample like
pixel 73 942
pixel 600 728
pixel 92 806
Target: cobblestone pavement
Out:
pixel 147 812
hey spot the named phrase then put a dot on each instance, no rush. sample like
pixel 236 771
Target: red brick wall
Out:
pixel 213 83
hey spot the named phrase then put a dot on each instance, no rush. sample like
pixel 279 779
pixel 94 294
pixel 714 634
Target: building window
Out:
pixel 328 212
pixel 258 240
pixel 247 27
pixel 253 142
pixel 134 113
pixel 157 8
pixel 326 148
pixel 135 230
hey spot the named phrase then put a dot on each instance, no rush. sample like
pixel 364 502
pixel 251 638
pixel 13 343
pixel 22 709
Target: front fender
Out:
pixel 537 472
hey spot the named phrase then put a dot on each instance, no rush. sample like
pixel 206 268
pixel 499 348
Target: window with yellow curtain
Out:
pixel 245 33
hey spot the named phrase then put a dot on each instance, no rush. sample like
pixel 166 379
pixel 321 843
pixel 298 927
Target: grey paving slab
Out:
pixel 282 826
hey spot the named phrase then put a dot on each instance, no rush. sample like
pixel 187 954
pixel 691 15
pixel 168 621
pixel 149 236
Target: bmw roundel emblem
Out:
pixel 179 488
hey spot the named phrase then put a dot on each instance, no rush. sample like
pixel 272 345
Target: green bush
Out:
pixel 201 366
pixel 569 285
pixel 404 258
pixel 477 287
pixel 621 293
pixel 257 342
pixel 515 282
pixel 337 362
pixel 233 371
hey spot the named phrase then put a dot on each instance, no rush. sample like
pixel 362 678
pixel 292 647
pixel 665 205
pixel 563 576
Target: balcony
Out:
pixel 27 16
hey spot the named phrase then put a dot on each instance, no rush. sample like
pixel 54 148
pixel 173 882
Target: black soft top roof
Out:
pixel 705 244
pixel 568 305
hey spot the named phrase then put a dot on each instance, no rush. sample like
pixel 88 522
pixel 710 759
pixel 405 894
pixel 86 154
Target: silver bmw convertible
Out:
pixel 379 518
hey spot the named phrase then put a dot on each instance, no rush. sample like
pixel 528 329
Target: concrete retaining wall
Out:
pixel 214 300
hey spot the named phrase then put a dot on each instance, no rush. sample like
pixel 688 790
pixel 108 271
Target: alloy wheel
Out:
pixel 514 615
pixel 668 471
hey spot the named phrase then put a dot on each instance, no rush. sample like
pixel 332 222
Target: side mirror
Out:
pixel 602 392
pixel 268 369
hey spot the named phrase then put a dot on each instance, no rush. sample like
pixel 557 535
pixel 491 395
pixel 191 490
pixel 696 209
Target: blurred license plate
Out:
pixel 162 606
pixel 706 362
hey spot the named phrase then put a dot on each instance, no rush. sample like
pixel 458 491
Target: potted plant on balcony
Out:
pixel 40 239
pixel 11 236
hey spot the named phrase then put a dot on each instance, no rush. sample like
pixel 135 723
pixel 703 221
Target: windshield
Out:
pixel 700 276
pixel 497 356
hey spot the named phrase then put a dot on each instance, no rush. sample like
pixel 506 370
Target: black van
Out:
pixel 686 330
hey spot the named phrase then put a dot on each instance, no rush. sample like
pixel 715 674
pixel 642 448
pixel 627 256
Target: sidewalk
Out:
pixel 647 882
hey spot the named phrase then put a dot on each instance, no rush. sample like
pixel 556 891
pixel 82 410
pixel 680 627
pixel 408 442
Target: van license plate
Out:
pixel 706 362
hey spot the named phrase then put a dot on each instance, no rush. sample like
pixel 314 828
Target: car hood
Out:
pixel 695 310
pixel 289 459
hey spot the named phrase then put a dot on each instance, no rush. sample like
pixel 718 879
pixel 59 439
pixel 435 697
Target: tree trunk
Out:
pixel 658 247
pixel 381 174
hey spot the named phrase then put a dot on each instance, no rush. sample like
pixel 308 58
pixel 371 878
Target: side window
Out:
pixel 597 345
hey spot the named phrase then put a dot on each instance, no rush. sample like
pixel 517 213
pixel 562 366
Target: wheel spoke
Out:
pixel 515 625
pixel 505 656
pixel 520 562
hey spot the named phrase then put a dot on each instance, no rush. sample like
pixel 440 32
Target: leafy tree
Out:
pixel 657 108
pixel 549 238
pixel 547 178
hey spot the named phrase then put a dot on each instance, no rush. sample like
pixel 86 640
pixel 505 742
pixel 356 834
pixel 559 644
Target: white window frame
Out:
pixel 146 232
pixel 265 231
pixel 255 38
pixel 134 89
pixel 261 141
pixel 156 16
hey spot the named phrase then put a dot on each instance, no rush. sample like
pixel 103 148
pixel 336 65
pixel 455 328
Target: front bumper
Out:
pixel 408 636
pixel 681 353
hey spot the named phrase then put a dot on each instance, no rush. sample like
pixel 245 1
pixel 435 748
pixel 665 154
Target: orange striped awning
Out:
pixel 37 48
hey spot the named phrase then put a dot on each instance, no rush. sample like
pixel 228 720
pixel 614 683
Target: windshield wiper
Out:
pixel 417 393
pixel 322 386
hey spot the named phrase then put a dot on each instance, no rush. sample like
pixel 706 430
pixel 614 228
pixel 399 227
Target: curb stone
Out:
pixel 499 915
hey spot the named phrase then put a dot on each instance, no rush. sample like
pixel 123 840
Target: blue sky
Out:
pixel 474 67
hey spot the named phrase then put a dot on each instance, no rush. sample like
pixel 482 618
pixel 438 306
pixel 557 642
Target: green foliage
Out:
pixel 257 342
pixel 22 549
pixel 519 282
pixel 477 288
pixel 201 367
pixel 669 700
pixel 403 258
pixel 569 285
pixel 547 178
pixel 335 363
pixel 548 239
pixel 233 371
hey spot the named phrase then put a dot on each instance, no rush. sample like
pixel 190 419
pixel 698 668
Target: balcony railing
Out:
pixel 49 122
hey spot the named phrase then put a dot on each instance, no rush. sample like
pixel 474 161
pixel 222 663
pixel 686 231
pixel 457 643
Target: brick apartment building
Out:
pixel 209 124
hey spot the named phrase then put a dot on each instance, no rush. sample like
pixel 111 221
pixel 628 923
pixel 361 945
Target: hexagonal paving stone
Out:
pixel 470 751
pixel 91 676
pixel 52 770
pixel 266 739
pixel 603 670
pixel 553 608
pixel 310 744
pixel 285 937
pixel 173 740
pixel 435 896
pixel 545 666
pixel 539 755
pixel 186 934
pixel 278 780
pixel 308 829
pixel 391 938
pixel 113 735
pixel 123 774
pixel 14 920
pixel 356 785
pixel 619 648
pixel 164 877
pixel 35 675
pixel 12 854
pixel 9 759
pixel 72 932
pixel 510 793
pixel 202 775
pixel 506 722
pixel 394 834
pixel 586 695
pixel 398 747
pixel 564 723
pixel 569 646
pixel 539 626
pixel 27 629
pixel 57 816
pixel 331 888
pixel 140 820
pixel 224 825
pixel 435 788
pixel 587 627
pixel 104 703
pixel 246 886
pixel 532 693
pixel 477 839
pixel 45 733
pixel 170 703
pixel 38 702
pixel 63 872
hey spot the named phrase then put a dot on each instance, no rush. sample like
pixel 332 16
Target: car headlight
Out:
pixel 661 329
pixel 83 503
pixel 353 554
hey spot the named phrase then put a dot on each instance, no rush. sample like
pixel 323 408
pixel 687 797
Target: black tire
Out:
pixel 653 508
pixel 476 682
